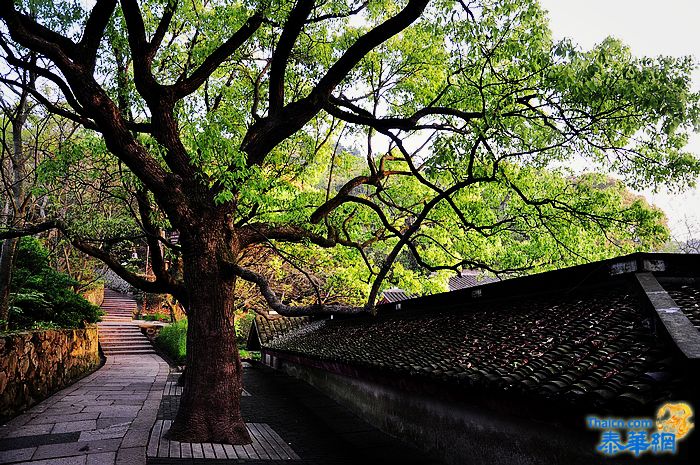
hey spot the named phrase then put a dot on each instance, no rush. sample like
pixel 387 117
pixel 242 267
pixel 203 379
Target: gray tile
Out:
pixel 68 410
pixel 109 411
pixel 111 432
pixel 107 422
pixel 69 426
pixel 30 430
pixel 127 402
pixel 16 455
pixel 64 418
pixel 103 458
pixel 75 460
pixel 76 448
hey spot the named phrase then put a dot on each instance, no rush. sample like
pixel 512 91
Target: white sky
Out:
pixel 650 28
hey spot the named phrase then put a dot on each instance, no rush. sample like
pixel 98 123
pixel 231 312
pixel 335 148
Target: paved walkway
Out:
pixel 105 418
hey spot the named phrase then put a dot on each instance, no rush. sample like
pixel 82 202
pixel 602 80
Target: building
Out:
pixel 393 295
pixel 470 278
pixel 508 372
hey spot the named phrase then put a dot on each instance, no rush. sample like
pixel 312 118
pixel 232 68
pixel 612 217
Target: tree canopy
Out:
pixel 380 138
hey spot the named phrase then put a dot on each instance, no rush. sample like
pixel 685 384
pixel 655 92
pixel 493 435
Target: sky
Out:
pixel 650 28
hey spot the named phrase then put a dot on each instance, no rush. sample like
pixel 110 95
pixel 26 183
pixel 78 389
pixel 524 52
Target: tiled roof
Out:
pixel 591 347
pixel 394 295
pixel 268 329
pixel 468 279
pixel 688 299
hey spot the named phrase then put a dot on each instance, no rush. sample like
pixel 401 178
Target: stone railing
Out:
pixel 34 364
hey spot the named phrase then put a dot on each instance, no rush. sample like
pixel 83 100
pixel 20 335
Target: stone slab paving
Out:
pixel 103 419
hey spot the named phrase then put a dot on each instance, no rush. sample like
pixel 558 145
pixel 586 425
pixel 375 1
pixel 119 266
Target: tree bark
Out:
pixel 210 403
pixel 16 206
pixel 7 258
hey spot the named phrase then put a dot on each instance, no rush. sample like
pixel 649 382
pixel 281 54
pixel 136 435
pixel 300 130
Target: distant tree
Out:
pixel 466 115
pixel 29 135
pixel 686 239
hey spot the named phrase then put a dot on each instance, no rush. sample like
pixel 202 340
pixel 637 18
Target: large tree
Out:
pixel 232 116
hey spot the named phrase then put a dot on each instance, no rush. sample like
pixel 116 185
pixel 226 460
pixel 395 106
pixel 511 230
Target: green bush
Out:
pixel 243 322
pixel 156 317
pixel 172 340
pixel 41 297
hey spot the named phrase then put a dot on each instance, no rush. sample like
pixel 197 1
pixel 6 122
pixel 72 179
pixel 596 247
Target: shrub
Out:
pixel 243 322
pixel 172 339
pixel 42 296
pixel 156 317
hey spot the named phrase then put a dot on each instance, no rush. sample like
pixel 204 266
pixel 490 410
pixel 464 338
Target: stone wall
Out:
pixel 455 432
pixel 95 295
pixel 114 281
pixel 34 364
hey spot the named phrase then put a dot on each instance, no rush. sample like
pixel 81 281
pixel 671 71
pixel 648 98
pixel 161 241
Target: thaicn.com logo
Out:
pixel 637 436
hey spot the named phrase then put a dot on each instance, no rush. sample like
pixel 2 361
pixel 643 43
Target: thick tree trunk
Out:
pixel 7 258
pixel 210 403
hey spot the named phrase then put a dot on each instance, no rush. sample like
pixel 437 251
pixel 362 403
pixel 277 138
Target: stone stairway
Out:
pixel 119 333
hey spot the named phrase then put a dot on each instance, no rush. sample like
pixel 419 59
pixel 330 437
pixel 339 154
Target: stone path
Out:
pixel 119 333
pixel 103 419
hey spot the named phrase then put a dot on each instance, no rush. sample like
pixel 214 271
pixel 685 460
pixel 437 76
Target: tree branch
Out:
pixel 162 28
pixel 267 133
pixel 363 117
pixel 186 86
pixel 255 233
pixel 94 31
pixel 288 310
pixel 29 230
pixel 158 285
pixel 285 44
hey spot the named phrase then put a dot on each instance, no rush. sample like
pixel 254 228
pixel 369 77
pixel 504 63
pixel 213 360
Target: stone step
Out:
pixel 118 327
pixel 136 330
pixel 123 340
pixel 121 336
pixel 126 343
pixel 128 351
pixel 118 347
pixel 120 333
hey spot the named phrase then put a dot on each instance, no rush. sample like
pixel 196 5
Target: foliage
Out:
pixel 472 99
pixel 172 339
pixel 156 317
pixel 243 322
pixel 42 297
pixel 248 355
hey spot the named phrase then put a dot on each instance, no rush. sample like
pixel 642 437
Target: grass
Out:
pixel 172 340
